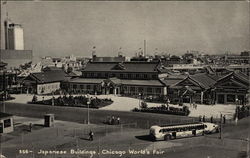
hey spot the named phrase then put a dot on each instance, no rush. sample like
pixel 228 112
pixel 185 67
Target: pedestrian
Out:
pixel 30 127
pixel 118 120
pixel 112 120
pixel 224 119
pixel 200 118
pixel 91 136
pixel 204 118
pixel 211 119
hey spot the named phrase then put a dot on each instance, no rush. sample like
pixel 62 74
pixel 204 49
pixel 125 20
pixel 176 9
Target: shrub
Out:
pixel 144 105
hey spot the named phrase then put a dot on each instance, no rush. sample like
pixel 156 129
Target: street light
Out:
pixel 88 102
pixel 139 100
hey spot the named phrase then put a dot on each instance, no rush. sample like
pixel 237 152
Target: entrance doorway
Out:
pixel 221 99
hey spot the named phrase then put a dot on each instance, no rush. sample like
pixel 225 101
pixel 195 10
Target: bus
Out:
pixel 179 131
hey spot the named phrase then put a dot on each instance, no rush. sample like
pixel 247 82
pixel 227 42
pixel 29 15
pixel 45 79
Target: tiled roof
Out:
pixel 204 80
pixel 49 76
pixel 128 67
pixel 142 82
pixel 118 81
pixel 86 80
pixel 239 75
pixel 173 79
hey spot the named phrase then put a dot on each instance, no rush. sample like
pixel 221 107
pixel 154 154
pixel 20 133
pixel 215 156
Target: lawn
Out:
pixel 97 116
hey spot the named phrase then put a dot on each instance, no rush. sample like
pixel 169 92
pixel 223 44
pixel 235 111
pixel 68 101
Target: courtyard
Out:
pixel 127 104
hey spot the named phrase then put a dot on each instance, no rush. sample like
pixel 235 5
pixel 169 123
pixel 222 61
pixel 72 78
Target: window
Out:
pixel 145 76
pixel 82 86
pixel 140 89
pixel 154 76
pixel 149 90
pixel 125 75
pixel 7 123
pixel 106 75
pixel 74 86
pixel 158 90
pixel 129 76
pixel 88 86
pixel 132 89
pixel 125 88
pixel 137 76
pixel 230 98
pixel 121 75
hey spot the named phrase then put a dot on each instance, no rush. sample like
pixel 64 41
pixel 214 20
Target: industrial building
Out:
pixel 14 53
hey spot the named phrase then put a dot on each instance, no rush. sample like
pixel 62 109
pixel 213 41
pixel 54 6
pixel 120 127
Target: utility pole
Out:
pixel 220 126
pixel 88 102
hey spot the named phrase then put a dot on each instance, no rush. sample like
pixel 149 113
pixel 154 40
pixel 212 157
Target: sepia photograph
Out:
pixel 124 79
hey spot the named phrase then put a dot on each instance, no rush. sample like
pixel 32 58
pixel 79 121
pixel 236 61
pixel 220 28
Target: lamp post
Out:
pixel 139 100
pixel 88 102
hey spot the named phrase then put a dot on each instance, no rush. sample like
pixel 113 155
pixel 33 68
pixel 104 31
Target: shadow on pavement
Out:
pixel 144 137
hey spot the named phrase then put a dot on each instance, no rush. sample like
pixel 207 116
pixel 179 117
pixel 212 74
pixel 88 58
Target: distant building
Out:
pixel 108 59
pixel 45 82
pixel 15 37
pixel 6 123
pixel 15 58
pixel 245 53
pixel 14 53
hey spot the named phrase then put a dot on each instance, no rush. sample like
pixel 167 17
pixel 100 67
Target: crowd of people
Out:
pixel 113 120
pixel 212 120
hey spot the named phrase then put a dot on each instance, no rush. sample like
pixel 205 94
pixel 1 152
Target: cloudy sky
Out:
pixel 64 28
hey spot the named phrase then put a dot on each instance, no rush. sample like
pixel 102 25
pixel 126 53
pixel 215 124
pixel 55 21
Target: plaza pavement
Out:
pixel 65 139
pixel 127 104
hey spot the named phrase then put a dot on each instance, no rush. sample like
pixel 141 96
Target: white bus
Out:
pixel 178 131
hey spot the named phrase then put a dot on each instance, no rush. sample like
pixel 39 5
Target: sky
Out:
pixel 60 28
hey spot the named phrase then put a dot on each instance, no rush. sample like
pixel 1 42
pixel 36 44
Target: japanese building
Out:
pixel 232 88
pixel 125 78
pixel 45 82
pixel 193 88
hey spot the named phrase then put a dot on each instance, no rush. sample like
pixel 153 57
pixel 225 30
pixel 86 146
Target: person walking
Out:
pixel 118 120
pixel 112 120
pixel 200 118
pixel 224 119
pixel 211 119
pixel 30 126
pixel 203 119
pixel 91 136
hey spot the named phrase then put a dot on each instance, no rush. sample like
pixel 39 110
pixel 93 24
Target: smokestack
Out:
pixel 6 27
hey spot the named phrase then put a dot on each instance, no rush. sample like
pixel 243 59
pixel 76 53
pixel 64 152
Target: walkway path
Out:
pixel 127 104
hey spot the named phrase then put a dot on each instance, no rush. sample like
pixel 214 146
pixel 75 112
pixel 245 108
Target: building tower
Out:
pixel 6 26
pixel 15 39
